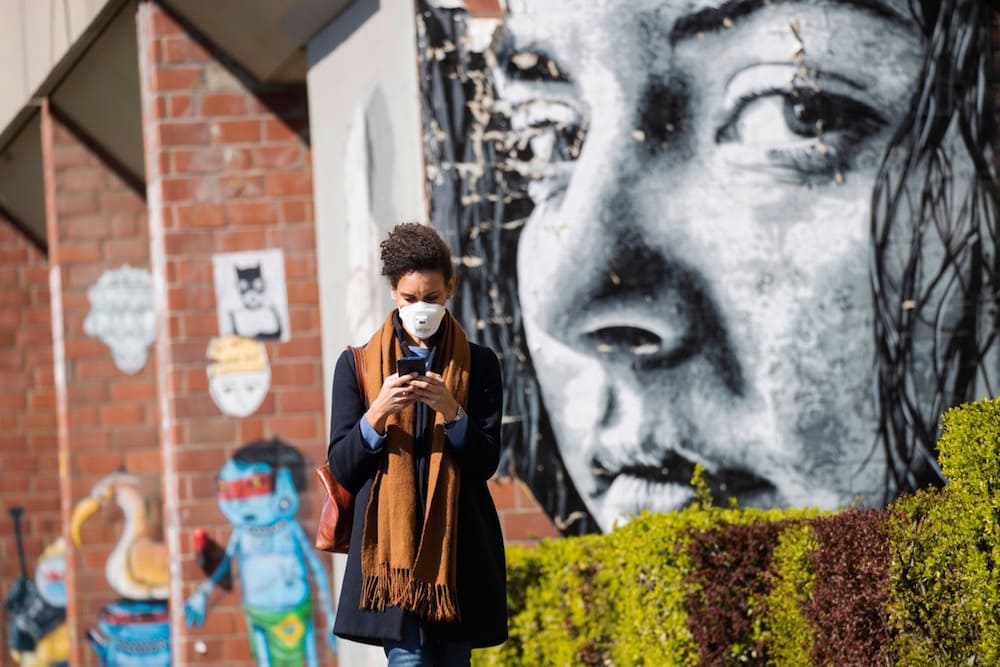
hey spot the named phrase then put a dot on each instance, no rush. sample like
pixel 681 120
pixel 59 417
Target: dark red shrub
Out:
pixel 730 568
pixel 848 607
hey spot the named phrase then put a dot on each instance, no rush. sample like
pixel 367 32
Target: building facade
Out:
pixel 755 237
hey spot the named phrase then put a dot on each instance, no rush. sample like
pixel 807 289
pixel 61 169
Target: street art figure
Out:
pixel 38 636
pixel 251 294
pixel 239 375
pixel 769 233
pixel 133 633
pixel 258 318
pixel 259 495
pixel 138 567
pixel 121 315
pixel 134 630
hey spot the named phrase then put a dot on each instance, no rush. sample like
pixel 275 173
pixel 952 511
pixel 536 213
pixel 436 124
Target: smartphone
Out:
pixel 407 365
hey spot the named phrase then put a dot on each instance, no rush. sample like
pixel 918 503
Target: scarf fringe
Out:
pixel 396 587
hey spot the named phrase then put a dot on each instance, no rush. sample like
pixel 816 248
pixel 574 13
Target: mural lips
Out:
pixel 627 489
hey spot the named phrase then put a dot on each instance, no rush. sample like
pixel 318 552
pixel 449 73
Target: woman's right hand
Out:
pixel 394 397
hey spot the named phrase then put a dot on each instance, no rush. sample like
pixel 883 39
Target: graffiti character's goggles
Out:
pixel 258 485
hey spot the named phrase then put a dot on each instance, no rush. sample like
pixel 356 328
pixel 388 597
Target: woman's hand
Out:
pixel 431 390
pixel 395 396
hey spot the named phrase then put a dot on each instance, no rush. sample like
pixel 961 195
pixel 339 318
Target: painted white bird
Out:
pixel 138 567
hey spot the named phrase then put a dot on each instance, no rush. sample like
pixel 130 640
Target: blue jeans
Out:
pixel 407 652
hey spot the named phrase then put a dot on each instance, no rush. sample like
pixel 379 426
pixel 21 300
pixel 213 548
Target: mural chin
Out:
pixel 630 442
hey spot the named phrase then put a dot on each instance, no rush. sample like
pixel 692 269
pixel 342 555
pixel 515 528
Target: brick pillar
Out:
pixel 96 222
pixel 29 474
pixel 228 169
pixel 522 519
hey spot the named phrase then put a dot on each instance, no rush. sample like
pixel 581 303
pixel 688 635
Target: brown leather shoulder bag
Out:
pixel 337 516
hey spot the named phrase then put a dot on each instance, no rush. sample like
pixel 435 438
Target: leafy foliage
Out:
pixel 786 628
pixel 847 608
pixel 946 584
pixel 729 580
pixel 915 584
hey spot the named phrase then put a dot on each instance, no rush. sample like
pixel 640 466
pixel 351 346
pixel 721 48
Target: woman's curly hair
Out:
pixel 412 246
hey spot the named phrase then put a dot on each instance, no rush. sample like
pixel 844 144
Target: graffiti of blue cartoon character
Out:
pixel 258 493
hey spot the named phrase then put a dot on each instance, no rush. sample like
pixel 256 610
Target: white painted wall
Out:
pixel 364 110
pixel 33 37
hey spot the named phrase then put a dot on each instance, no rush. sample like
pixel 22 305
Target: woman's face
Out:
pixel 704 295
pixel 426 286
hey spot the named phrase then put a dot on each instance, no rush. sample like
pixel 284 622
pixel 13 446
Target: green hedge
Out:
pixel 916 584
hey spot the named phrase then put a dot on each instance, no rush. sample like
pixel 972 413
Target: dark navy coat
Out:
pixel 481 567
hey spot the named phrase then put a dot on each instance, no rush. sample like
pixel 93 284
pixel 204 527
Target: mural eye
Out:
pixel 547 130
pixel 800 128
pixel 546 117
pixel 258 284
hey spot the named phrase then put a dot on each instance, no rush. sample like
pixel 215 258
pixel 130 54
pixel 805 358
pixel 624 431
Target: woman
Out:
pixel 425 574
pixel 769 233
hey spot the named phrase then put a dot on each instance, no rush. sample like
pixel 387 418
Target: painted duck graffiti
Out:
pixel 134 630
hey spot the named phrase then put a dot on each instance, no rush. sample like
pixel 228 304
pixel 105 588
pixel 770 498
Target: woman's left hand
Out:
pixel 431 390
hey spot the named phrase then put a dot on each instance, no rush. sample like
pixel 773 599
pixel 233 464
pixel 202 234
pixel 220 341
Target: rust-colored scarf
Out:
pixel 399 567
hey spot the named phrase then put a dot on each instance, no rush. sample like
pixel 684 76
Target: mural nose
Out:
pixel 652 312
pixel 641 348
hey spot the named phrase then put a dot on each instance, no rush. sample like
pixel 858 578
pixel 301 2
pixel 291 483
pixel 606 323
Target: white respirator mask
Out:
pixel 422 319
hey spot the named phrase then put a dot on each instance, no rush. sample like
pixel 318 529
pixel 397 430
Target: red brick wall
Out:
pixel 29 473
pixel 522 519
pixel 228 169
pixel 107 418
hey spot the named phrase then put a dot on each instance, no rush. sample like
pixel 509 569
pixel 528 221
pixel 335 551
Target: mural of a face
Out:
pixel 239 379
pixel 758 235
pixel 701 185
pixel 121 315
pixel 252 287
pixel 50 575
pixel 252 494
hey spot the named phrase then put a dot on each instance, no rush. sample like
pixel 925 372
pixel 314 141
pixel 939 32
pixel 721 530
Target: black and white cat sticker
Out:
pixel 251 297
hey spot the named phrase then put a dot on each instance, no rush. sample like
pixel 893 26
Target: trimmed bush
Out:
pixel 946 584
pixel 786 628
pixel 847 607
pixel 915 584
pixel 729 584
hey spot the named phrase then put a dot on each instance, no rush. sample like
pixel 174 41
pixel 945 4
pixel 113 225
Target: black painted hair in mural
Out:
pixel 411 246
pixel 481 215
pixel 914 202
pixel 277 454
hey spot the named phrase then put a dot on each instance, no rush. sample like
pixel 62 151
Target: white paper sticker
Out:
pixel 250 294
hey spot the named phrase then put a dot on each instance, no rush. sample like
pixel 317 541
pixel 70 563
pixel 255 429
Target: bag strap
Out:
pixel 359 370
